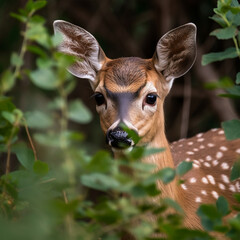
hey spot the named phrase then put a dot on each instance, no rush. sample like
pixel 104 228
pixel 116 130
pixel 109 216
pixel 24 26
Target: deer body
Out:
pixel 132 91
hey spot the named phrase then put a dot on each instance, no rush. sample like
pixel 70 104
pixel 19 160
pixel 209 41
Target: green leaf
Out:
pixel 19 17
pixel 167 175
pixel 238 78
pixel 219 56
pixel 7 81
pixel 210 216
pixel 142 230
pixel 101 162
pixel 56 104
pixel 70 86
pixel 235 10
pixel 99 181
pixel 235 173
pixel 35 5
pixel 224 82
pixel 222 206
pixel 151 151
pixel 38 120
pixel 235 90
pixel 232 129
pixel 183 168
pixel 219 20
pixel 6 104
pixel 48 139
pixel 16 60
pixel 224 33
pixel 25 155
pixel 78 112
pixel 9 116
pixel 237 197
pixel 37 32
pixel 232 92
pixel 57 38
pixel 44 78
pixel 37 50
pixel 170 202
pixel 131 133
pixel 37 19
pixel 40 168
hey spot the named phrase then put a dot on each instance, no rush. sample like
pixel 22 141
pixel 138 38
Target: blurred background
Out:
pixel 132 28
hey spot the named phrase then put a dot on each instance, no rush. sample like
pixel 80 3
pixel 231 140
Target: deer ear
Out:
pixel 176 52
pixel 80 43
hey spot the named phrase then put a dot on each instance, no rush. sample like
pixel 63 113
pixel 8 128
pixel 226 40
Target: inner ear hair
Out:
pixel 176 52
pixel 82 44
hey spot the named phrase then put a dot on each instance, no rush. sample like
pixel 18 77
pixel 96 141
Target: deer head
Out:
pixel 130 90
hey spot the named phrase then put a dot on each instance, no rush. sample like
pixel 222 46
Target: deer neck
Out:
pixel 162 160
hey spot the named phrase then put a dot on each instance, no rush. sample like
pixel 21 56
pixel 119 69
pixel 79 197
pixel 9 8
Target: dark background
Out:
pixel 132 28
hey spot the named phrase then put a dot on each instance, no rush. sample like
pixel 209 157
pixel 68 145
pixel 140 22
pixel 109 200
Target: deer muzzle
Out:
pixel 117 138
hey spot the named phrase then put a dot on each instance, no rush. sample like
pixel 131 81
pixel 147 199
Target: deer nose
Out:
pixel 118 138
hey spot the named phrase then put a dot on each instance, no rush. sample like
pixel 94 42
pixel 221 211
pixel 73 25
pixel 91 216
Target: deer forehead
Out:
pixel 131 74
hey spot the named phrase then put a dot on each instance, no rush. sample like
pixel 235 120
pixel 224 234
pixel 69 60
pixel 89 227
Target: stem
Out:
pixel 234 38
pixel 68 217
pixel 68 164
pixel 236 46
pixel 30 140
pixel 9 144
pixel 23 47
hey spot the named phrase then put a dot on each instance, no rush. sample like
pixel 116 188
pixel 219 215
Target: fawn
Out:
pixel 132 90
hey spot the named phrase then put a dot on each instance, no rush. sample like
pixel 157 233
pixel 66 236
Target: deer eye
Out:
pixel 99 98
pixel 151 98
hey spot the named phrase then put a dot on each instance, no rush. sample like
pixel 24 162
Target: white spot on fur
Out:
pixel 214 129
pixel 232 188
pixel 190 153
pixel 238 150
pixel 201 160
pixel 215 162
pixel 237 186
pixel 211 179
pixel 221 132
pixel 190 143
pixel 215 194
pixel 195 149
pixel 188 159
pixel 225 166
pixel 196 161
pixel 200 140
pixel 192 180
pixel 211 145
pixel 199 135
pixel 206 164
pixel 225 178
pixel 202 147
pixel 219 155
pixel 221 186
pixel 184 187
pixel 204 192
pixel 198 199
pixel 204 180
pixel 208 158
pixel 223 148
pixel 195 165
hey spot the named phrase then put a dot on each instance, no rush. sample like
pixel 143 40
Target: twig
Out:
pixel 30 140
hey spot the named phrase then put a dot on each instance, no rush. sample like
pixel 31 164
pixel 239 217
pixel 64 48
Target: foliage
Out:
pixel 58 190
pixel 227 15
